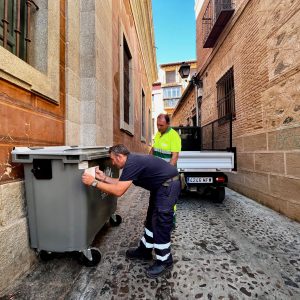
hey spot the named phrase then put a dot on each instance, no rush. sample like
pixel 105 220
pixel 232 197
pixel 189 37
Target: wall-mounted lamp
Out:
pixel 184 72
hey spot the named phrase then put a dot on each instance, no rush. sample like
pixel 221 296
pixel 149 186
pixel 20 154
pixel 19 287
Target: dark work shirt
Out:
pixel 147 171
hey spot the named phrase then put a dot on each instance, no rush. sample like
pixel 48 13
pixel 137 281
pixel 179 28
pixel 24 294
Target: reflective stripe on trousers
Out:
pixel 147 239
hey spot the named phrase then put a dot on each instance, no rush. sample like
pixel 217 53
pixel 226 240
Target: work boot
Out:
pixel 139 254
pixel 159 268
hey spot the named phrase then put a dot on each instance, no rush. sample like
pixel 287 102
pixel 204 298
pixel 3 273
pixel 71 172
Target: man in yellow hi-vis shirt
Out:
pixel 167 144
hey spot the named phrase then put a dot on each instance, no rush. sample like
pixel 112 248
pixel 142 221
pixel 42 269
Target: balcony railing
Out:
pixel 216 16
pixel 170 103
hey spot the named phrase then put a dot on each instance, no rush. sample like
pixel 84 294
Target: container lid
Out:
pixel 67 153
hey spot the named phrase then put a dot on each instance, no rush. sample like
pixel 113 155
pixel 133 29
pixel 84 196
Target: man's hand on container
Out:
pixel 87 179
pixel 113 186
pixel 100 175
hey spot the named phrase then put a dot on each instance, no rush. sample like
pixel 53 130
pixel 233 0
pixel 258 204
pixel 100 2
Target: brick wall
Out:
pixel 183 111
pixel 200 51
pixel 260 42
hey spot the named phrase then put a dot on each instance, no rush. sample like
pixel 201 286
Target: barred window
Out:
pixel 126 71
pixel 225 94
pixel 126 84
pixel 143 117
pixel 15 35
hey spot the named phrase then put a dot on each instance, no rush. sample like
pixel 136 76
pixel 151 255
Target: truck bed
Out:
pixel 205 161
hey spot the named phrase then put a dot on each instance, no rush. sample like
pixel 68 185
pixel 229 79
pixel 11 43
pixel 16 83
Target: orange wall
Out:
pixel 29 120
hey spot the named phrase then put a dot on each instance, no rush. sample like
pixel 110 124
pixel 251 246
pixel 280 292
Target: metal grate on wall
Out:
pixel 226 95
pixel 15 34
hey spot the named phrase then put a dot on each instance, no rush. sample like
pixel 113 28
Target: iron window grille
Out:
pixel 143 112
pixel 226 95
pixel 127 61
pixel 15 34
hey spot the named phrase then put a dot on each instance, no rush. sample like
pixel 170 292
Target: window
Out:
pixel 15 33
pixel 143 117
pixel 126 86
pixel 225 94
pixel 170 76
pixel 41 73
pixel 172 92
pixel 171 96
pixel 126 72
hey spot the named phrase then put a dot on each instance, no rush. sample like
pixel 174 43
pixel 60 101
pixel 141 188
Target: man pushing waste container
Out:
pixel 162 180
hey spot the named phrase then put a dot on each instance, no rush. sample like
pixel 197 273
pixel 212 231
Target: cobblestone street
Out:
pixel 235 250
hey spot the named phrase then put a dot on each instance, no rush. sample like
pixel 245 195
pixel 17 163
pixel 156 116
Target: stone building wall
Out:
pixel 27 118
pixel 93 71
pixel 124 23
pixel 261 43
pixel 71 97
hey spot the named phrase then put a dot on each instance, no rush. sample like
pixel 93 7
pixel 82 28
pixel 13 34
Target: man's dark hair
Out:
pixel 119 149
pixel 164 116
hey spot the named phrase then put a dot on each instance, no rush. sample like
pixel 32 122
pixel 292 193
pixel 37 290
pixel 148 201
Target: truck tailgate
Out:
pixel 205 161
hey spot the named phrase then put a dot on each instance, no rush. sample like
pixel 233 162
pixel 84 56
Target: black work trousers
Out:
pixel 159 221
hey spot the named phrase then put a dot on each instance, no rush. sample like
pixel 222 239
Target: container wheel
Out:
pixel 218 194
pixel 45 255
pixel 96 258
pixel 115 220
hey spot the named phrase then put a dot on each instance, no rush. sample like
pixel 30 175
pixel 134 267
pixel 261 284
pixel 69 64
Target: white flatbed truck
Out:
pixel 201 170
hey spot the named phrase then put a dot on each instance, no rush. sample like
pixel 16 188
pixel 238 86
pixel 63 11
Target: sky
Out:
pixel 174 30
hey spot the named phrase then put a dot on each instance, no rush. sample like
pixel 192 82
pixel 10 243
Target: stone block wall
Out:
pixel 27 119
pixel 269 169
pixel 85 37
pixel 267 102
pixel 261 42
pixel 72 63
pixel 16 257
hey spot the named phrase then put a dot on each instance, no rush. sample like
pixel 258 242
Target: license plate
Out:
pixel 199 180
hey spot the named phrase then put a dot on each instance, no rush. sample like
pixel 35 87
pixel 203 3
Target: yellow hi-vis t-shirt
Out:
pixel 167 143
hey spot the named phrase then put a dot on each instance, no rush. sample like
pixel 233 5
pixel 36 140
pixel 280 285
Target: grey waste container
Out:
pixel 64 214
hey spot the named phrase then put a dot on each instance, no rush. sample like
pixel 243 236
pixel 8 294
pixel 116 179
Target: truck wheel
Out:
pixel 115 220
pixel 96 258
pixel 218 194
